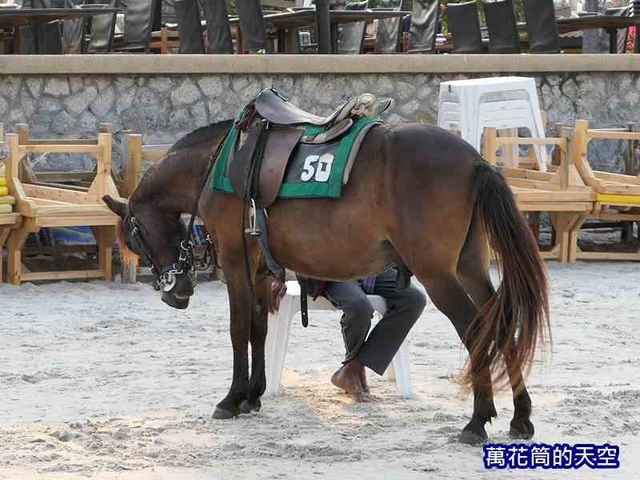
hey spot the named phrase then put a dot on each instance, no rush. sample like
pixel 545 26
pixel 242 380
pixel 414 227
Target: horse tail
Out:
pixel 517 316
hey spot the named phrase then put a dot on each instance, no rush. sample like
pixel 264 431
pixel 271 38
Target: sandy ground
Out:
pixel 102 380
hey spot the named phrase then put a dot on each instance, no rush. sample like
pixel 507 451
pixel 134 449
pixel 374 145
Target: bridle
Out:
pixel 187 262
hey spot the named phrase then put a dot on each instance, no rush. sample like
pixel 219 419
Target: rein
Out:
pixel 186 263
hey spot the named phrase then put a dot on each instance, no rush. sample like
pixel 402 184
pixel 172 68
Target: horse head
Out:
pixel 158 237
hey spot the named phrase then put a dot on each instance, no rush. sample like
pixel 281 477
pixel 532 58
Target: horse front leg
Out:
pixel 259 320
pixel 240 329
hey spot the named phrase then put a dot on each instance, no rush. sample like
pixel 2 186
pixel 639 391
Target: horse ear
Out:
pixel 119 208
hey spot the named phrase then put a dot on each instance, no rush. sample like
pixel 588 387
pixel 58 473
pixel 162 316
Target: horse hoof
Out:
pixel 471 438
pixel 247 407
pixel 222 414
pixel 522 429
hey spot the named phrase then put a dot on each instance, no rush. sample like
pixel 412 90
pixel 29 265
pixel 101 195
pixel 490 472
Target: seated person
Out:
pixel 376 352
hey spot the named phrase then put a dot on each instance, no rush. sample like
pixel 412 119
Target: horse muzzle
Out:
pixel 178 291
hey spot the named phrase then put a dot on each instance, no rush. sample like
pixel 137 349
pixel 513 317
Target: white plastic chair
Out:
pixel 501 102
pixel 278 336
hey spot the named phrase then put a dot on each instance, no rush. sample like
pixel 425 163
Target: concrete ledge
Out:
pixel 119 64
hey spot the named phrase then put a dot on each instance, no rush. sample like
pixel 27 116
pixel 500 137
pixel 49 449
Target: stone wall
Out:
pixel 164 108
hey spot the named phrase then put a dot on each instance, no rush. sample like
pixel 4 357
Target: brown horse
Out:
pixel 417 194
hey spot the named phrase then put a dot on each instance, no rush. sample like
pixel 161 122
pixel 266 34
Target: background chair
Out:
pixel 72 31
pixel 388 30
pixel 541 26
pixel 425 20
pixel 101 29
pixel 45 39
pixel 464 27
pixel 562 193
pixel 45 206
pixel 351 35
pixel 138 22
pixel 617 195
pixel 502 27
pixel 189 26
pixel 470 105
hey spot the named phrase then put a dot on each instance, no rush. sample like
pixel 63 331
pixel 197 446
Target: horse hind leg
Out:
pixel 258 381
pixel 473 272
pixel 450 298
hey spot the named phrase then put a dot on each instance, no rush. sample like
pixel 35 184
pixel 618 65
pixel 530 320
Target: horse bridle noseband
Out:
pixel 187 262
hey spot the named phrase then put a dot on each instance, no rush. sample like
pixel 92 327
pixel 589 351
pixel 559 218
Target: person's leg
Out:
pixel 403 309
pixel 356 314
pixel 218 30
pixel 254 31
pixel 355 324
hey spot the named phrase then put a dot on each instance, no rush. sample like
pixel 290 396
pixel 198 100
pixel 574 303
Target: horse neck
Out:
pixel 174 185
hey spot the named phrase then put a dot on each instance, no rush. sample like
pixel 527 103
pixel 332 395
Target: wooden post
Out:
pixel 511 152
pixel 17 238
pixel 489 145
pixel 134 162
pixel 4 234
pixel 129 270
pixel 26 172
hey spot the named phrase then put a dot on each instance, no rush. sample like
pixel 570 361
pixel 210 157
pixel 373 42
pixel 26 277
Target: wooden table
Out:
pixel 18 17
pixel 609 23
pixel 286 24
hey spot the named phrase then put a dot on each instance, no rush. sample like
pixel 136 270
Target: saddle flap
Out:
pixel 239 164
pixel 280 144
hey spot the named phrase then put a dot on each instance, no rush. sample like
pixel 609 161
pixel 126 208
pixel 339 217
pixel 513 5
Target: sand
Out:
pixel 102 380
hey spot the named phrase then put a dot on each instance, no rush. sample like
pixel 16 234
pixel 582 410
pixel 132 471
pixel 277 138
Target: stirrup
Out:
pixel 252 230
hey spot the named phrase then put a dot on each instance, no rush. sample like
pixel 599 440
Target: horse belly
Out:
pixel 327 239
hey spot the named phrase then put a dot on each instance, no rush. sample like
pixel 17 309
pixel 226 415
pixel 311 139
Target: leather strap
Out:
pixel 304 310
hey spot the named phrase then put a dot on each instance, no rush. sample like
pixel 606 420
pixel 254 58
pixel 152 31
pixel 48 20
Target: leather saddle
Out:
pixel 272 127
pixel 275 108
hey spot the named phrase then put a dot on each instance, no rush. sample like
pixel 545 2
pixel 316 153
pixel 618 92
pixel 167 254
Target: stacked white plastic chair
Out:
pixel 278 336
pixel 499 102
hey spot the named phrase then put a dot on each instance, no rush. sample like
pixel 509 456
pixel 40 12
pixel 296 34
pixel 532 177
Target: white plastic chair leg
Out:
pixel 401 370
pixel 278 331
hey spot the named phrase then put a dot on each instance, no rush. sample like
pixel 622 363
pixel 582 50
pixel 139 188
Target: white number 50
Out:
pixel 323 170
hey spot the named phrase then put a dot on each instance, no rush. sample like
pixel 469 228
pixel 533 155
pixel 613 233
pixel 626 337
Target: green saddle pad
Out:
pixel 313 171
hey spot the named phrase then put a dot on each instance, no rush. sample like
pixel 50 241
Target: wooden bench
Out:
pixel 617 195
pixel 57 205
pixel 561 193
pixel 8 220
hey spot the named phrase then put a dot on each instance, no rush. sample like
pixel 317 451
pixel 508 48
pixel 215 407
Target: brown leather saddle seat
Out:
pixel 273 107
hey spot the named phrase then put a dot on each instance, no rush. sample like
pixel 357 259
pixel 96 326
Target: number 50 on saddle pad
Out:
pixel 314 170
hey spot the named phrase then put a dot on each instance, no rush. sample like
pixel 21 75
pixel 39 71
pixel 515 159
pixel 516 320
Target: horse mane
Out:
pixel 197 137
pixel 200 134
